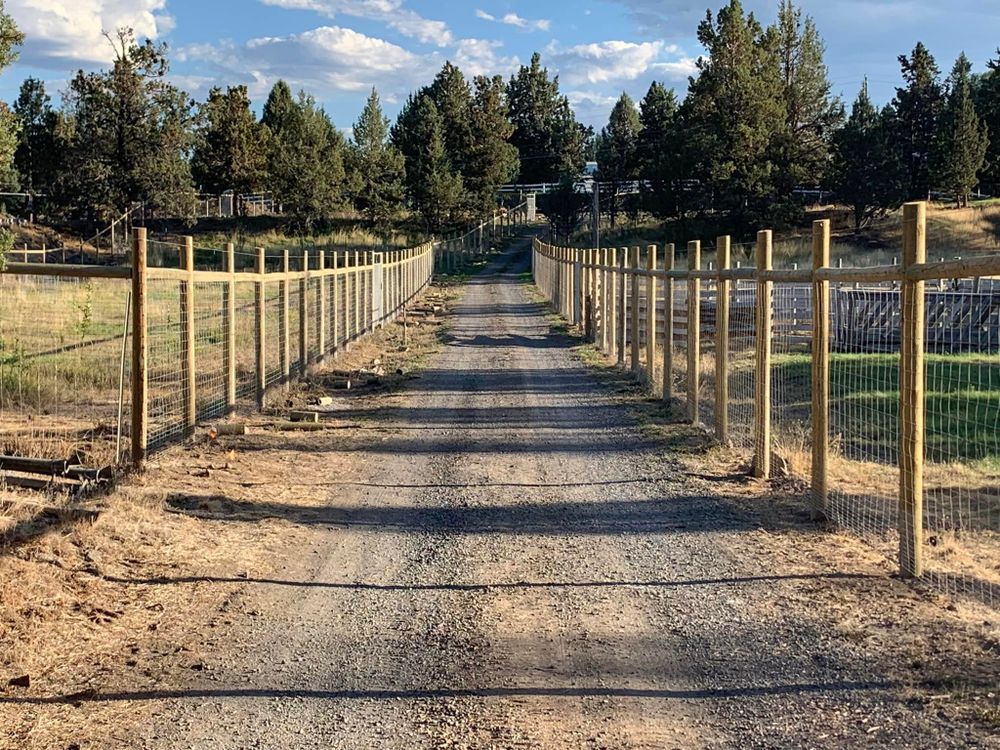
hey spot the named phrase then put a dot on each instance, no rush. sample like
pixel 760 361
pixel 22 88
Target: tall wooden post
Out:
pixel 260 318
pixel 911 393
pixel 284 320
pixel 188 374
pixel 622 308
pixel 304 314
pixel 724 257
pixel 335 305
pixel 693 331
pixel 650 314
pixel 229 334
pixel 140 351
pixel 820 370
pixel 357 293
pixel 613 324
pixel 634 310
pixel 668 324
pixel 321 306
pixel 764 324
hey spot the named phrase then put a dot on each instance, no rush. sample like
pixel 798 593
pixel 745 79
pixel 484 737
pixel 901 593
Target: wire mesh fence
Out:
pixel 879 385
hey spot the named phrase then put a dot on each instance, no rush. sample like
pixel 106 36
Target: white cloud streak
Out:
pixel 390 12
pixel 512 19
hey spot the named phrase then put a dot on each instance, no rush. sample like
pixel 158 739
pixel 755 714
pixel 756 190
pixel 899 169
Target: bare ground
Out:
pixel 504 553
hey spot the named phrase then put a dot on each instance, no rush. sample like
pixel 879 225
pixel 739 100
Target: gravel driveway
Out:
pixel 518 564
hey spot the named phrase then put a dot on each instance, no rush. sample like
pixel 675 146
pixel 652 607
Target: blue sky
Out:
pixel 339 49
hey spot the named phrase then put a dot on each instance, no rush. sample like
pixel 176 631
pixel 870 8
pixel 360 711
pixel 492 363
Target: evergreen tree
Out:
pixel 986 97
pixel 37 156
pixel 231 148
pixel 493 159
pixel 618 150
pixel 657 156
pixel 865 173
pixel 10 39
pixel 564 207
pixel 131 137
pixel 548 138
pixel 917 112
pixel 963 140
pixel 452 96
pixel 812 113
pixel 306 155
pixel 435 188
pixel 376 166
pixel 734 108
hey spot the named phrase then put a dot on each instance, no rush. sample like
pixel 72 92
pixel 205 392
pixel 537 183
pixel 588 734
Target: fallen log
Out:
pixel 48 466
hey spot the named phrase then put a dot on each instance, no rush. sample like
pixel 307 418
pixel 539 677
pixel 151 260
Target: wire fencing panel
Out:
pixel 956 446
pixel 61 367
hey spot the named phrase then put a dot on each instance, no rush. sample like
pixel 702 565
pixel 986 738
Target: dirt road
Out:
pixel 516 563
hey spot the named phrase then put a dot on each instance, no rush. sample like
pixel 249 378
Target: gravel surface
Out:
pixel 517 564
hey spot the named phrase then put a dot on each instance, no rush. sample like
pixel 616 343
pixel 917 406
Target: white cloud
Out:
pixel 481 57
pixel 71 32
pixel 390 12
pixel 604 62
pixel 677 70
pixel 323 61
pixel 512 19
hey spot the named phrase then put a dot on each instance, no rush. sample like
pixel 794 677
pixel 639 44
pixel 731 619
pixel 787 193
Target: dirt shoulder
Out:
pixel 82 611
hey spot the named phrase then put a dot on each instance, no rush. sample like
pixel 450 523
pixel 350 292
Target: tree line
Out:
pixel 760 120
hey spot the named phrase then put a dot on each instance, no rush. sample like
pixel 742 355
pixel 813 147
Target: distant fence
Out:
pixel 101 364
pixel 882 394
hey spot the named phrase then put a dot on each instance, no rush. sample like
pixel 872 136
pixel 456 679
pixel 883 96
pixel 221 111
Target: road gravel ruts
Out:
pixel 518 564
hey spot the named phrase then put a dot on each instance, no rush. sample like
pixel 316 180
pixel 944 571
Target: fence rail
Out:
pixel 882 394
pixel 108 363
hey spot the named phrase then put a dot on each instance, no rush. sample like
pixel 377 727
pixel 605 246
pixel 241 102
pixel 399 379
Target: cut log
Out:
pixel 227 429
pixel 47 466
pixel 303 416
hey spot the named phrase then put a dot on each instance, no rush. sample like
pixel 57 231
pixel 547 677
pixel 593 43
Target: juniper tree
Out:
pixel 917 111
pixel 37 158
pixel 376 166
pixel 435 187
pixel 618 150
pixel 492 159
pixel 231 149
pixel 865 173
pixel 986 97
pixel 660 167
pixel 963 138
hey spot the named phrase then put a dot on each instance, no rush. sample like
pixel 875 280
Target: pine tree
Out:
pixel 865 173
pixel 734 109
pixel 231 149
pixel 37 157
pixel 618 150
pixel 963 139
pixel 493 159
pixel 548 138
pixel 917 112
pixel 812 113
pixel 132 133
pixel 376 166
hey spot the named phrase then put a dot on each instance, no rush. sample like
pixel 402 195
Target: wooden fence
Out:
pixel 777 313
pixel 194 343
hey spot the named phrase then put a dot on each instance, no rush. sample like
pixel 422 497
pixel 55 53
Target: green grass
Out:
pixel 962 406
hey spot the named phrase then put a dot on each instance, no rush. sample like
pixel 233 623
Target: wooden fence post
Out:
pixel 260 316
pixel 911 392
pixel 229 340
pixel 650 315
pixel 820 370
pixel 622 308
pixel 693 330
pixel 613 324
pixel 634 310
pixel 140 350
pixel 724 256
pixel 284 321
pixel 579 300
pixel 357 293
pixel 188 374
pixel 321 307
pixel 304 315
pixel 335 305
pixel 668 324
pixel 764 322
